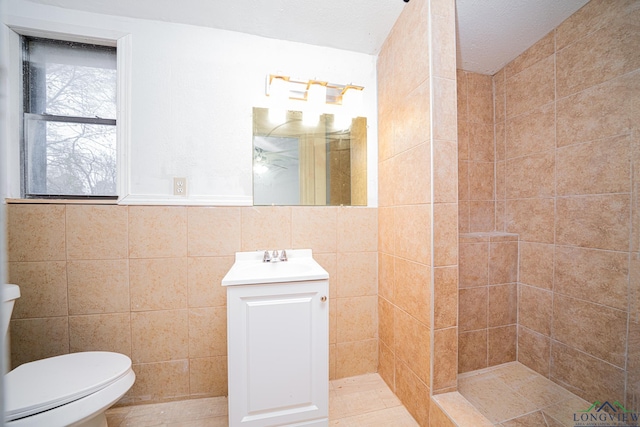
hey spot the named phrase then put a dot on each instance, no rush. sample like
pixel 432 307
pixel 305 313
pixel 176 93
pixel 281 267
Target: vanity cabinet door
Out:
pixel 278 353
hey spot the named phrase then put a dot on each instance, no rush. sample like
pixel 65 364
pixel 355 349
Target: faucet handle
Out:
pixel 283 255
pixel 274 255
pixel 266 257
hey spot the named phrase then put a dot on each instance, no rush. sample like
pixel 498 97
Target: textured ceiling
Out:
pixel 490 32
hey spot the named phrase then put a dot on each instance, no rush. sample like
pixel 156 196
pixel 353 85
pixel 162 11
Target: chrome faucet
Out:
pixel 266 257
pixel 274 256
pixel 283 255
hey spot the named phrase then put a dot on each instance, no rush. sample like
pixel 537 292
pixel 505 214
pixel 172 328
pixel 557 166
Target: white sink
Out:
pixel 249 269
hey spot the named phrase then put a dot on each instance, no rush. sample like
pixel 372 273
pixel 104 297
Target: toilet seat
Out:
pixel 45 384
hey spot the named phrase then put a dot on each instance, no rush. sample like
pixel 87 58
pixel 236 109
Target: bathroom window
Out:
pixel 69 123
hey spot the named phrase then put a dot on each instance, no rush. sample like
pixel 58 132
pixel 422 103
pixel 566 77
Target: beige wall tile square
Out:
pixel 386 187
pixel 356 358
pixel 314 228
pixel 536 263
pixel 479 98
pixel 266 228
pixel 162 381
pixel 208 376
pixel 213 231
pixel 602 55
pixel 444 109
pixel 357 274
pixel 410 33
pixel 357 229
pixel 413 393
pixel 531 176
pixel 413 232
pixel 500 95
pixel 412 344
pixel 481 181
pixel 100 332
pixel 386 276
pixel 443 44
pixel 534 309
pixel 601 111
pixel 445 239
pixel 578 324
pixel 534 350
pixel 531 132
pixel 412 176
pixel 472 350
pixel 532 219
pixel 589 18
pixel 531 88
pixel 158 336
pixel 386 230
pixel 386 322
pixel 502 343
pixel 332 361
pixel 98 286
pixel 601 166
pixel 411 124
pixel 500 187
pixel 594 221
pixel 463 181
pixel 36 232
pixel 43 289
pixel 205 280
pixel 481 142
pixel 333 321
pixel 539 51
pixel 97 232
pixel 474 270
pixel 481 216
pixel 472 308
pixel 207 332
pixel 157 231
pixel 445 299
pixel 35 339
pixel 158 284
pixel 568 369
pixel 412 289
pixel 503 262
pixel 357 318
pixel 463 217
pixel 501 141
pixel 503 305
pixel 445 176
pixel 601 277
pixel 445 353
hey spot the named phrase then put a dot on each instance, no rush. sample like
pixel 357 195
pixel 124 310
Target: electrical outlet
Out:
pixel 179 186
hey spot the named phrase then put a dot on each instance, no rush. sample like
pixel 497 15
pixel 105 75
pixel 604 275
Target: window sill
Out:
pixel 61 201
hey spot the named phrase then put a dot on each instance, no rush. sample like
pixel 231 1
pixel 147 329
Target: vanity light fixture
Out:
pixel 316 93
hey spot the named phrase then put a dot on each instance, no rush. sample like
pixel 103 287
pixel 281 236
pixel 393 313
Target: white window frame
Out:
pixel 18 26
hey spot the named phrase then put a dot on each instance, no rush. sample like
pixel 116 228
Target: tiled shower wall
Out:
pixel 418 205
pixel 567 179
pixel 145 282
pixel 487 300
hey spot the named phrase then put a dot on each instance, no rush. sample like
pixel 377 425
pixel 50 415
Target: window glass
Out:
pixel 69 143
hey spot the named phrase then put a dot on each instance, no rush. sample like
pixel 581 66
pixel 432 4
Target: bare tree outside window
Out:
pixel 70 126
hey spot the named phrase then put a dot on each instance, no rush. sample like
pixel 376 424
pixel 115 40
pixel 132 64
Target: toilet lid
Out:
pixel 38 386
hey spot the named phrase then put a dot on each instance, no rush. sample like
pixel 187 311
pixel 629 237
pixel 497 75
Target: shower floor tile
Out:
pixel 364 400
pixel 511 395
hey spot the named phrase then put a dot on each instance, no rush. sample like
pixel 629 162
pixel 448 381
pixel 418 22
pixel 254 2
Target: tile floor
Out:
pixel 512 395
pixel 353 402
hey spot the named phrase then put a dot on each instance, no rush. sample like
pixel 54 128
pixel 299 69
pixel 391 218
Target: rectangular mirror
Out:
pixel 319 165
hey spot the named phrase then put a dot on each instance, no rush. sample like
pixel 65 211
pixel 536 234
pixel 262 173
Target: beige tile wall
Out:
pixel 145 282
pixel 487 300
pixel 476 153
pixel 567 156
pixel 418 254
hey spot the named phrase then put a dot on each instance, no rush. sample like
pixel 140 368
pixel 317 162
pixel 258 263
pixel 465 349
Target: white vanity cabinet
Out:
pixel 278 347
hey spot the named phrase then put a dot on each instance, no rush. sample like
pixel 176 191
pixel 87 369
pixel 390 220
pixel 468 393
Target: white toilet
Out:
pixel 69 390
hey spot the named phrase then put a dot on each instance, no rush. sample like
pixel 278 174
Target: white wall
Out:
pixel 192 90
